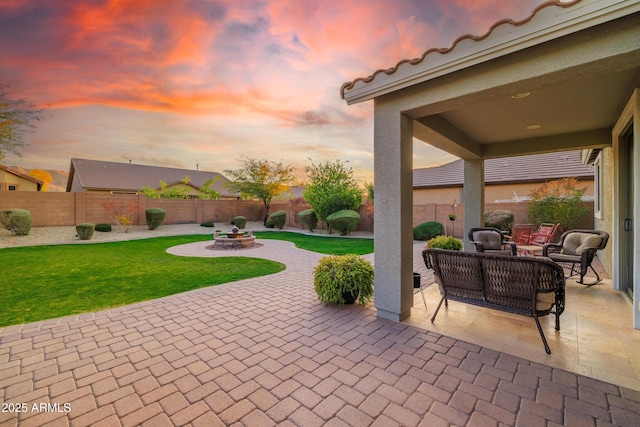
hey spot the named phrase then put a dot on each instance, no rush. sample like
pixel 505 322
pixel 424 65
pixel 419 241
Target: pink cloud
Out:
pixel 269 70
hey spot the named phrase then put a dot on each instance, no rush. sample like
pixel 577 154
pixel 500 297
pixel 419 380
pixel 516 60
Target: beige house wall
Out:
pixel 7 178
pixel 492 193
pixel 437 195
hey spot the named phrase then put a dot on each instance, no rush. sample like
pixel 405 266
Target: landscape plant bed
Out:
pixel 322 244
pixel 52 281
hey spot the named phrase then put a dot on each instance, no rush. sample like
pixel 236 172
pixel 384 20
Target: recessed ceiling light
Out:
pixel 520 95
pixel 533 127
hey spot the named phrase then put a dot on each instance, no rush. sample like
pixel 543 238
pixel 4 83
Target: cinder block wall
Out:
pixel 66 209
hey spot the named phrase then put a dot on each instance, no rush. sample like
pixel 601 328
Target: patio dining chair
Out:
pixel 521 234
pixel 545 234
pixel 578 247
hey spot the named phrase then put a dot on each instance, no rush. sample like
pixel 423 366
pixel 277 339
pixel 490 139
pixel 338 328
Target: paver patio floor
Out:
pixel 265 352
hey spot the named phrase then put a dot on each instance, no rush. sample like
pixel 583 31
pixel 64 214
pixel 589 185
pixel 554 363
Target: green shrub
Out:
pixel 17 221
pixel 558 202
pixel 339 277
pixel 103 227
pixel 427 230
pixel 154 217
pixel 308 219
pixel 207 224
pixel 500 219
pixel 239 221
pixel 269 224
pixel 278 218
pixel 345 221
pixel 445 242
pixel 85 230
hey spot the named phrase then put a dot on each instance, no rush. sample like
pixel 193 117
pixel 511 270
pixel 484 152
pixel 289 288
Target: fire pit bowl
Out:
pixel 233 240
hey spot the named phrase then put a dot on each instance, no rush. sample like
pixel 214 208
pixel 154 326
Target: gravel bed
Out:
pixel 67 235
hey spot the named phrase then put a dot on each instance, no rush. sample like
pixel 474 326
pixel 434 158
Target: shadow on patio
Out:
pixel 596 338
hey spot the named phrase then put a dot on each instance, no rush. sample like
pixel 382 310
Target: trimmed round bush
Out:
pixel 85 230
pixel 427 230
pixel 278 218
pixel 207 224
pixel 104 228
pixel 154 217
pixel 345 221
pixel 269 224
pixel 500 219
pixel 343 279
pixel 445 242
pixel 17 221
pixel 239 221
pixel 308 219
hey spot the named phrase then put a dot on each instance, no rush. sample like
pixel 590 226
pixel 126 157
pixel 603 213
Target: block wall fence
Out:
pixel 68 209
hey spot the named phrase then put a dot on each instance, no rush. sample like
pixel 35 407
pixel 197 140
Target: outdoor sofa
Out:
pixel 528 286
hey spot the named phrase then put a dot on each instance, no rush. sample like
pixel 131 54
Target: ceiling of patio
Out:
pixel 575 106
pixel 577 113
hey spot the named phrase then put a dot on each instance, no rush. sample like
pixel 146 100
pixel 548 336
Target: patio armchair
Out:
pixel 577 247
pixel 491 240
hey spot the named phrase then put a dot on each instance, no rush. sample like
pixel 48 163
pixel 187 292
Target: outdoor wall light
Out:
pixel 533 127
pixel 520 95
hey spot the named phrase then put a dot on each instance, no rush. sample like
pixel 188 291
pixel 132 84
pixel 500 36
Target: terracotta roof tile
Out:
pixel 467 37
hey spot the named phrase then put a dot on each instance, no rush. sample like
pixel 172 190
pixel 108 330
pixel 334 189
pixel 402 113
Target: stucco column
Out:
pixel 393 215
pixel 473 193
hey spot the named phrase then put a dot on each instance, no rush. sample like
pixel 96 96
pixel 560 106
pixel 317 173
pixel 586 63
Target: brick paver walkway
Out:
pixel 265 352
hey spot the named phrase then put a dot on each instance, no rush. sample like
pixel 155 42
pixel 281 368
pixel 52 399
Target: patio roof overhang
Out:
pixel 556 81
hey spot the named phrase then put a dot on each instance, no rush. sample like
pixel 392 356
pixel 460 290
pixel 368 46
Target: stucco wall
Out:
pixel 492 193
pixel 605 222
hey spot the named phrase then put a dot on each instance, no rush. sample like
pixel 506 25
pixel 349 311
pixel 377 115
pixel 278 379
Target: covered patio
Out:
pixel 596 339
pixel 567 77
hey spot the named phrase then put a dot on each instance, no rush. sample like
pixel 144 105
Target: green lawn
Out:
pixel 45 282
pixel 323 244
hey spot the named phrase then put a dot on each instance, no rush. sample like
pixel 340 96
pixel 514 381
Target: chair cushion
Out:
pixel 490 240
pixel 575 243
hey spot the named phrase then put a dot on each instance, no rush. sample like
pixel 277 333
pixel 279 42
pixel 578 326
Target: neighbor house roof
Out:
pixel 113 176
pixel 508 170
pixel 22 175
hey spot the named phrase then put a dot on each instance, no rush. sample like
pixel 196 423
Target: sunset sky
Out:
pixel 177 83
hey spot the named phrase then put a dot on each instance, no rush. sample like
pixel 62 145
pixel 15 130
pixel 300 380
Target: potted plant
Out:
pixel 452 217
pixel 343 279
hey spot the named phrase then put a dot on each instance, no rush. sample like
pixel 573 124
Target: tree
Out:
pixel 331 188
pixel 260 179
pixel 42 175
pixel 207 191
pixel 16 119
pixel 557 202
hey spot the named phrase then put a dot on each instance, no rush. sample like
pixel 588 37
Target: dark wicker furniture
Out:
pixel 492 241
pixel 578 247
pixel 528 286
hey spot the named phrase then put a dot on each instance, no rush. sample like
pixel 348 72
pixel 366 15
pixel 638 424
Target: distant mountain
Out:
pixel 58 178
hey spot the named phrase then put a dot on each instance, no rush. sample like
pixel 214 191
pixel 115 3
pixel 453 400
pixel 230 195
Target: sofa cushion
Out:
pixel 545 300
pixel 575 243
